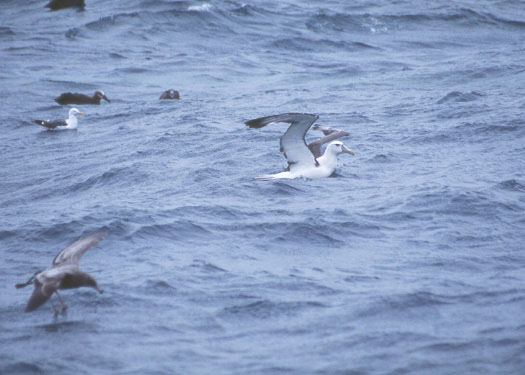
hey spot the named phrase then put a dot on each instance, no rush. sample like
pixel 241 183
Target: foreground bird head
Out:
pixel 79 279
pixel 74 112
pixel 91 282
pixel 337 147
pixel 99 94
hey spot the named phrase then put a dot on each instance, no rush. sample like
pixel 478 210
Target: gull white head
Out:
pixel 337 147
pixel 73 112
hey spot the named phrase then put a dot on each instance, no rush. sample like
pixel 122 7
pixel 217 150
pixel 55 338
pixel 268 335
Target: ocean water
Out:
pixel 410 260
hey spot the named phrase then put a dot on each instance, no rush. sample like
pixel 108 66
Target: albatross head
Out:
pixel 337 147
pixel 99 94
pixel 88 280
pixel 74 112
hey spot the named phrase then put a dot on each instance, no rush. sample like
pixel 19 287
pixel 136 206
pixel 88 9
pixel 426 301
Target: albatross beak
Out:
pixel 106 99
pixel 347 150
pixel 80 113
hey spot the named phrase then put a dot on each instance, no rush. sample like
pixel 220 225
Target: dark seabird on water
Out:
pixel 170 94
pixel 304 160
pixel 75 98
pixel 61 4
pixel 63 273
pixel 70 123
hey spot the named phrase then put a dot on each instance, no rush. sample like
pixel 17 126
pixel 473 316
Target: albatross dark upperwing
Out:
pixel 74 252
pixel 51 124
pixel 293 144
pixel 315 146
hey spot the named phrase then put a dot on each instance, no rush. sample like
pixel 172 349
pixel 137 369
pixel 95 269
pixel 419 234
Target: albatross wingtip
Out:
pixel 256 123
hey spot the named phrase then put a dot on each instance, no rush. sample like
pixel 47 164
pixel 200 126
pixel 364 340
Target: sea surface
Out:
pixel 409 260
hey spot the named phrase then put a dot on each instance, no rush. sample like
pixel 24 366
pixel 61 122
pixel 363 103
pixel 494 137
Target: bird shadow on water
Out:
pixel 61 324
pixel 283 188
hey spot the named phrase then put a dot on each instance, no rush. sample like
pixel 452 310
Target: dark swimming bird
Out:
pixel 170 94
pixel 75 98
pixel 61 4
pixel 70 123
pixel 304 160
pixel 63 273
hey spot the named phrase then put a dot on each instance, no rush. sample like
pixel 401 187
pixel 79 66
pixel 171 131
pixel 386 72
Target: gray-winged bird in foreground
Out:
pixel 64 273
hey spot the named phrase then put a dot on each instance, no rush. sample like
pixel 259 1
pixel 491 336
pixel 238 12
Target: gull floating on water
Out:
pixel 64 273
pixel 76 98
pixel 70 123
pixel 304 160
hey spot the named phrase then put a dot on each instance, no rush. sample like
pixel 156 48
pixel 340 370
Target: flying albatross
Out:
pixel 304 160
pixel 64 273
pixel 75 98
pixel 70 123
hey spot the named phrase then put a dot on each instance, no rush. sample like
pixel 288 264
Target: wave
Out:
pixel 158 287
pixel 120 19
pixel 251 10
pixel 459 97
pixel 470 132
pixel 311 233
pixel 177 230
pixel 131 70
pixel 206 267
pixel 512 185
pixel 6 32
pixel 205 7
pixel 113 176
pixel 266 309
pixel 142 24
pixel 22 367
pixel 382 23
pixel 322 45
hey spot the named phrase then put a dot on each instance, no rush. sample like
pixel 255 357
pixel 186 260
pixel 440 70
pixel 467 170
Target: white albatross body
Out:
pixel 304 160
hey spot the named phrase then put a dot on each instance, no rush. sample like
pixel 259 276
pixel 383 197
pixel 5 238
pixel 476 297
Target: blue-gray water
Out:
pixel 410 261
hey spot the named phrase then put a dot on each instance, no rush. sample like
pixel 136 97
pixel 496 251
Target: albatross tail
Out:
pixel 28 282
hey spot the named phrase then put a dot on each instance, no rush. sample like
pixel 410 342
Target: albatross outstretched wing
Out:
pixel 73 253
pixel 293 144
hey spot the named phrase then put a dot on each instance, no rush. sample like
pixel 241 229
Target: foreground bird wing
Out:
pixel 41 293
pixel 51 124
pixel 293 144
pixel 73 253
pixel 315 146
